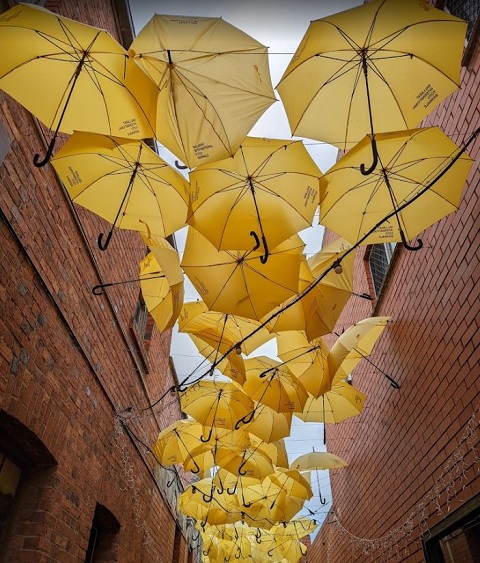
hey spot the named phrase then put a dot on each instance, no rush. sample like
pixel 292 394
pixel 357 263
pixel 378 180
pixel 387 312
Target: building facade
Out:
pixel 411 491
pixel 79 372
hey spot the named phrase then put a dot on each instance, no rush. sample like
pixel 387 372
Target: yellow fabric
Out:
pixel 352 204
pixel 317 460
pixel 233 366
pixel 213 91
pixel 413 54
pixel 268 424
pixel 216 404
pixel 163 301
pixel 237 282
pixel 299 528
pixel 306 360
pixel 272 384
pixel 115 177
pixel 41 52
pixel 274 179
pixel 341 402
pixel 253 463
pixel 221 330
pixel 353 345
pixel 215 508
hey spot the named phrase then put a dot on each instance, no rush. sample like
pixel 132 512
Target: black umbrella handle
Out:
pixel 36 158
pixel 408 246
pixel 363 170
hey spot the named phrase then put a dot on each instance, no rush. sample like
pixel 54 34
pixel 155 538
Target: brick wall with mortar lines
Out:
pixel 69 359
pixel 399 446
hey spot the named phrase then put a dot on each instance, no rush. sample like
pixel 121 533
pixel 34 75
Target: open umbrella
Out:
pixel 237 282
pixel 215 404
pixel 272 384
pixel 125 182
pixel 420 169
pixel 268 424
pixel 221 330
pixel 378 67
pixel 263 195
pixel 317 460
pixel 162 292
pixel 203 502
pixel 73 76
pixel 354 344
pixel 308 361
pixel 213 84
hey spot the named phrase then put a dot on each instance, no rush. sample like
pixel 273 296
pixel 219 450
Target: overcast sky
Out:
pixel 280 26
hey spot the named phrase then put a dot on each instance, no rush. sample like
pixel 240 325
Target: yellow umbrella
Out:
pixel 215 404
pixel 73 76
pixel 175 444
pixel 355 343
pixel 213 84
pixel 290 481
pixel 268 424
pixel 382 66
pixel 417 183
pixel 306 360
pixel 123 181
pixel 318 460
pixel 263 195
pixel 233 365
pixel 221 330
pixel 299 528
pixel 237 282
pixel 163 299
pixel 272 384
pixel 276 450
pixel 203 502
pixel 341 402
pixel 251 462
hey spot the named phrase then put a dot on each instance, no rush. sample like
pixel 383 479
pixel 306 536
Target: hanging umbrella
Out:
pixel 232 365
pixel 176 443
pixel 73 76
pixel 268 424
pixel 276 450
pixel 318 460
pixel 251 462
pixel 203 502
pixel 221 330
pixel 163 298
pixel 123 181
pixel 419 169
pixel 272 384
pixel 306 360
pixel 215 404
pixel 298 528
pixel 213 84
pixel 263 195
pixel 341 402
pixel 383 66
pixel 237 282
pixel 354 344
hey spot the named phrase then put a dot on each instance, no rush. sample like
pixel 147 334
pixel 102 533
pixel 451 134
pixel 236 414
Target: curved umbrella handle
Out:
pixel 321 499
pixel 375 160
pixel 104 245
pixel 36 158
pixel 197 468
pixel 264 258
pixel 209 435
pixel 408 246
pixel 208 498
pixel 180 166
pixel 232 491
pixel 244 420
pixel 240 469
pixel 256 239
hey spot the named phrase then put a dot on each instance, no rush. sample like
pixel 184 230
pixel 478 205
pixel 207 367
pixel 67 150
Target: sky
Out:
pixel 280 26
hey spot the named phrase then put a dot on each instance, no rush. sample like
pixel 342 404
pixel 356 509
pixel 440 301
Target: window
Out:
pixel 379 258
pixel 141 316
pixel 457 538
pixel 9 479
pixel 468 10
pixel 102 535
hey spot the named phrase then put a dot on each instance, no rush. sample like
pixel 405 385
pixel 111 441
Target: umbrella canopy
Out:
pixel 123 181
pixel 268 424
pixel 213 84
pixel 306 360
pixel 232 366
pixel 237 282
pixel 250 462
pixel 216 404
pixel 355 343
pixel 205 503
pixel 82 78
pixel 267 192
pixel 272 384
pixel 318 460
pixel 341 402
pixel 355 206
pixel 163 298
pixel 383 65
pixel 221 330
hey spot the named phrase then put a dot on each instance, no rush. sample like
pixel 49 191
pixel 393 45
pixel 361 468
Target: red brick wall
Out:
pixel 408 450
pixel 70 360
